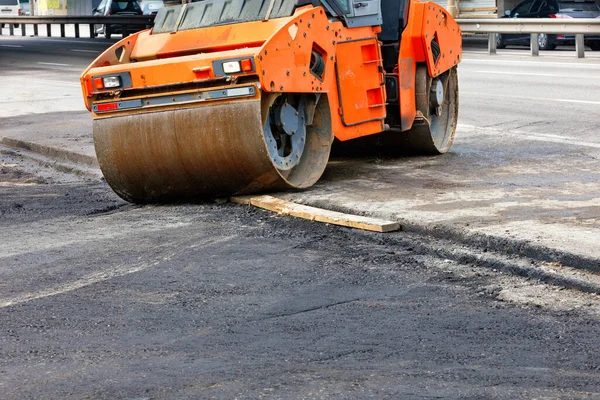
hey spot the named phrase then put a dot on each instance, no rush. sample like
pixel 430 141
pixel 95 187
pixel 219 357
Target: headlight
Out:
pixel 231 67
pixel 111 82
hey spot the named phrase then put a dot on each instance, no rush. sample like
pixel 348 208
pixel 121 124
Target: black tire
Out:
pixel 107 32
pixel 545 43
pixel 594 46
pixel 500 42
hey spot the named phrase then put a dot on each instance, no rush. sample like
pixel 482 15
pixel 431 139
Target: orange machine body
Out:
pixel 277 53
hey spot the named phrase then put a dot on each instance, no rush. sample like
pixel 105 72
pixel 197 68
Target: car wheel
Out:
pixel 544 42
pixel 107 32
pixel 594 46
pixel 500 42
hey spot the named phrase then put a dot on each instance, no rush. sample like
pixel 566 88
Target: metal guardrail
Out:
pixel 127 23
pixel 533 26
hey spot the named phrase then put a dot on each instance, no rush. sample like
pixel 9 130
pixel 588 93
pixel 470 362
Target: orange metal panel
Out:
pixel 209 39
pixel 116 54
pixel 426 21
pixel 360 80
pixel 439 25
pixel 284 60
pixel 285 66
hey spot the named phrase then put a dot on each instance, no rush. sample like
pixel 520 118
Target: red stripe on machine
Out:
pixel 107 107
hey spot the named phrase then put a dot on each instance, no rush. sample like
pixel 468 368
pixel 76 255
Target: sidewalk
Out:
pixel 545 206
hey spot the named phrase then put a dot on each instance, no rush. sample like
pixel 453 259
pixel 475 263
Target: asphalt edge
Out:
pixel 522 248
pixel 485 242
pixel 49 151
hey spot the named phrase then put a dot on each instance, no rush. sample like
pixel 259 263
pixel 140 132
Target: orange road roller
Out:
pixel 225 97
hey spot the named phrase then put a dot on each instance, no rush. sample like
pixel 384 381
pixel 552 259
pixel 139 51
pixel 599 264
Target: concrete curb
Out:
pixel 52 152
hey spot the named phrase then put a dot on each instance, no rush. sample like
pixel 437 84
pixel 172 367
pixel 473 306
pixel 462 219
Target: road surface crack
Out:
pixel 322 307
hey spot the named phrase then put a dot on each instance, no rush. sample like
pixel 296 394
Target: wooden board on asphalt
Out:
pixel 317 214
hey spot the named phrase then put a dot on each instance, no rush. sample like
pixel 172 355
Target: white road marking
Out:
pixel 78 284
pixel 10 45
pixel 546 53
pixel 55 64
pixel 100 276
pixel 523 135
pixel 51 82
pixel 492 60
pixel 86 51
pixel 98 42
pixel 510 96
pixel 522 73
pixel 16 184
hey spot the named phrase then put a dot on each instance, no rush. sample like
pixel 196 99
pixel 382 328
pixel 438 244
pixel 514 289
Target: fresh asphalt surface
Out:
pixel 100 299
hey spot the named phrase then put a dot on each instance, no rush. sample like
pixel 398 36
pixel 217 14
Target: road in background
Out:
pixel 557 95
pixel 41 75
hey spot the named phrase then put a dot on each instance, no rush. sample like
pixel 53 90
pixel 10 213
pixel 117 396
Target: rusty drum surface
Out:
pixel 208 150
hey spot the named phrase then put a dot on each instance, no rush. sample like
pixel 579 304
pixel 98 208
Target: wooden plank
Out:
pixel 317 214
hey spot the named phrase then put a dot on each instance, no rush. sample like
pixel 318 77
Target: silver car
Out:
pixel 10 8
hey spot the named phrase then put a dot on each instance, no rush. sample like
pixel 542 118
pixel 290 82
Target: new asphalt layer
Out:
pixel 470 197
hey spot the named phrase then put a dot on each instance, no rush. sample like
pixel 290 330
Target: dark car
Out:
pixel 116 7
pixel 551 9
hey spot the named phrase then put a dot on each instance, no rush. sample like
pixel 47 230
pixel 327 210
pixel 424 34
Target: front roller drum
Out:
pixel 272 142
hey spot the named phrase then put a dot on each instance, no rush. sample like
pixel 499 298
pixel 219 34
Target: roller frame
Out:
pixel 175 81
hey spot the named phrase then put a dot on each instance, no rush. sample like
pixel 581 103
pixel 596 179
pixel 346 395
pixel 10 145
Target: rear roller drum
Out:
pixel 433 129
pixel 437 112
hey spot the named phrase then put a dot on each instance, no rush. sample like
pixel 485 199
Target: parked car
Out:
pixel 550 9
pixel 151 7
pixel 116 7
pixel 10 8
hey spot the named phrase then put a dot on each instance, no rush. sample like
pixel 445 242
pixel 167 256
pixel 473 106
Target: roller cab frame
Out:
pixel 233 97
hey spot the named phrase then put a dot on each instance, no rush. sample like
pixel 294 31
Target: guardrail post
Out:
pixel 23 31
pixel 11 29
pixel 535 45
pixel 579 45
pixel 35 29
pixel 76 30
pixel 62 30
pixel 48 30
pixel 491 43
pixel 92 30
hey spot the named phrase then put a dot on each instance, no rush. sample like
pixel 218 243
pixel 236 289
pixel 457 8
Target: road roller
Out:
pixel 230 97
